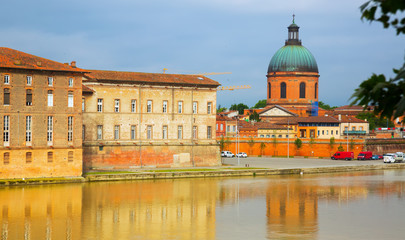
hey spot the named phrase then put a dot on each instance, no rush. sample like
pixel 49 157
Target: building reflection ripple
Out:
pixel 185 208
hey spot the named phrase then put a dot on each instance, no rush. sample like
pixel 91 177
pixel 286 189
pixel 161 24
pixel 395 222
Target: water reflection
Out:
pixel 284 207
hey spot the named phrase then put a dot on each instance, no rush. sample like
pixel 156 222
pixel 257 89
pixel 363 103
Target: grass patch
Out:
pixel 183 170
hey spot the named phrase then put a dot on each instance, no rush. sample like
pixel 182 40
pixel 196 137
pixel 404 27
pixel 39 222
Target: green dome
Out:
pixel 293 58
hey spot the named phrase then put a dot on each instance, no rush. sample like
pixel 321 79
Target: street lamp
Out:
pixel 288 138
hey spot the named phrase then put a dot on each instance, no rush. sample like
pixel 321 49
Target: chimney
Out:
pixel 73 64
pixel 340 117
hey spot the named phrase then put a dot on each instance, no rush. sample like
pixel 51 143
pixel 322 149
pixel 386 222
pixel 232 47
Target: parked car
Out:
pixel 241 155
pixel 377 157
pixel 399 157
pixel 227 154
pixel 389 158
pixel 365 156
pixel 343 156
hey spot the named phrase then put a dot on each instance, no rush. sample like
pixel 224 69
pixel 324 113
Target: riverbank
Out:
pixel 231 168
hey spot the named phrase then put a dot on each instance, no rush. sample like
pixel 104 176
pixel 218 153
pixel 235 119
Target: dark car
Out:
pixel 377 157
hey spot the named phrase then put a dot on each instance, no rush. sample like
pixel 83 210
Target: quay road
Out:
pixel 301 162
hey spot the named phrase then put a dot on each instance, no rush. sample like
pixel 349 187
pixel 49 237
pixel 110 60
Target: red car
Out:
pixel 343 155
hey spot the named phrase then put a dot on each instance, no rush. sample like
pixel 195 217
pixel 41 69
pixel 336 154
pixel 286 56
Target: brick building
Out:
pixel 135 119
pixel 292 76
pixel 41 120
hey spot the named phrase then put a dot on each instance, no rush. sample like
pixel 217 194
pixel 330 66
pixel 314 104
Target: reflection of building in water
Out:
pixel 180 209
pixel 45 212
pixel 292 210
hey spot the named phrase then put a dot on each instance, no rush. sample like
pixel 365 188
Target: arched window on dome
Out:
pixel 316 90
pixel 283 90
pixel 302 90
pixel 269 89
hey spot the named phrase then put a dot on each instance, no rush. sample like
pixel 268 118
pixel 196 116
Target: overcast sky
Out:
pixel 199 36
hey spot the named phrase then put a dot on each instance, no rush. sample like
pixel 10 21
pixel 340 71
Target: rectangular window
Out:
pixel 217 127
pixel 28 128
pixel 28 97
pixel 50 98
pixel 99 105
pixel 6 96
pixel 49 135
pixel 164 132
pixel 70 99
pixel 361 128
pixel 6 129
pixel 222 127
pixel 28 157
pixel 179 132
pixel 209 132
pixel 70 82
pixel 353 128
pixel 99 132
pixel 50 157
pixel 83 132
pixel 194 132
pixel 164 110
pixel 195 107
pixel 209 106
pixel 133 105
pixel 70 156
pixel 149 106
pixel 149 132
pixel 116 105
pixel 70 129
pixel 83 104
pixel 6 158
pixel 116 132
pixel 180 107
pixel 29 80
pixel 133 132
pixel 336 132
pixel 6 79
pixel 228 128
pixel 50 81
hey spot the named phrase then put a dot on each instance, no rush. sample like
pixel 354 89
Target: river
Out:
pixel 356 205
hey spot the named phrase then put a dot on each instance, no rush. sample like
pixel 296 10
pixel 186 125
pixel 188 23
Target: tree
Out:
pixel 251 143
pixel 325 106
pixel 240 107
pixel 332 142
pixel 374 121
pixel 388 9
pixel 351 144
pixel 222 144
pixel 262 147
pixel 275 145
pixel 298 143
pixel 311 144
pixel 261 104
pixel 254 116
pixel 386 95
pixel 220 109
pixel 340 148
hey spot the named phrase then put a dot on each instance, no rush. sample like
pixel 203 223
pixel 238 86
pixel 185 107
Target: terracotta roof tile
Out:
pixel 87 89
pixel 149 78
pixel 10 58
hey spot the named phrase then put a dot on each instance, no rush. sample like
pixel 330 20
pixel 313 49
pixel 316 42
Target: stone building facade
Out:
pixel 40 111
pixel 133 120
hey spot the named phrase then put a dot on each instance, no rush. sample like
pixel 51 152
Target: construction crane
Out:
pixel 231 88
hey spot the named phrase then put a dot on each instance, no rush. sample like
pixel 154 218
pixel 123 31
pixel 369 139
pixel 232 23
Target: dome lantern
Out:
pixel 293 34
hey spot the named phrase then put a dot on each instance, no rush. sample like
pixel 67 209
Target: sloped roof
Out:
pixel 149 78
pixel 87 89
pixel 268 108
pixel 10 58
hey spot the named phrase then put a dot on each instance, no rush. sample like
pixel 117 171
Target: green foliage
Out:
pixel 262 147
pixel 374 121
pixel 251 143
pixel 240 107
pixel 260 104
pixel 222 143
pixel 298 143
pixel 387 96
pixel 389 13
pixel 340 148
pixel 311 142
pixel 351 144
pixel 325 106
pixel 220 109
pixel 331 142
pixel 255 117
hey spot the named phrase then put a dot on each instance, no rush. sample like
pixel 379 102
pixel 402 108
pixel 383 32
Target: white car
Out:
pixel 241 155
pixel 389 158
pixel 227 154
